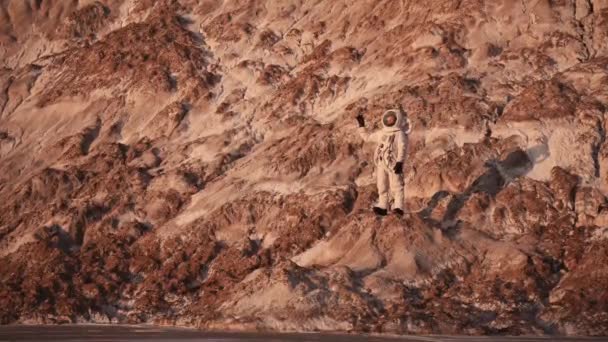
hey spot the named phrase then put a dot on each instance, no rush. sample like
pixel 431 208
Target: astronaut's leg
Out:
pixel 396 185
pixel 382 176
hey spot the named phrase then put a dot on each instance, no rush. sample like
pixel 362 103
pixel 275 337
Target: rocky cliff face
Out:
pixel 197 163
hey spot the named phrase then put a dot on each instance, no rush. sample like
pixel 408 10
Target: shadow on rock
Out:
pixel 498 174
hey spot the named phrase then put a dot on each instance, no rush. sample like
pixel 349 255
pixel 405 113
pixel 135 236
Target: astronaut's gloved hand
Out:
pixel 361 120
pixel 398 168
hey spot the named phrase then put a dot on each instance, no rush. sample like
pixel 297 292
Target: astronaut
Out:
pixel 389 157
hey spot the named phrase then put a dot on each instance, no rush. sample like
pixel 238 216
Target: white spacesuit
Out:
pixel 389 158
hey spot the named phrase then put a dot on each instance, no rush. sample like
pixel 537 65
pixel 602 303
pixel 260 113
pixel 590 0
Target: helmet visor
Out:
pixel 389 119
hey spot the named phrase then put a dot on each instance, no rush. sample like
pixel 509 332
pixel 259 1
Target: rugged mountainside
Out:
pixel 197 163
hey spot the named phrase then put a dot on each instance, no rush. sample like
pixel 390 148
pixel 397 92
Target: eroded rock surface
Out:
pixel 197 163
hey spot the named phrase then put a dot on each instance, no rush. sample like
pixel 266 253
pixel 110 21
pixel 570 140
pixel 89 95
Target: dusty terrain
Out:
pixel 196 163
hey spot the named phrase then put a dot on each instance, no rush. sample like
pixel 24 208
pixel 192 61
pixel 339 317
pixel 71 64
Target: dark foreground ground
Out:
pixel 157 334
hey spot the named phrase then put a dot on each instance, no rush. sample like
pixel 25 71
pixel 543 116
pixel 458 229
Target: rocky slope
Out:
pixel 196 163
